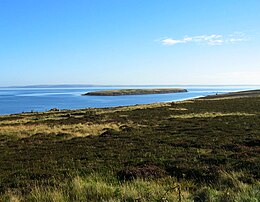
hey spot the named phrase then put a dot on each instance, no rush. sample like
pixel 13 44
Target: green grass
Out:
pixel 208 148
pixel 101 188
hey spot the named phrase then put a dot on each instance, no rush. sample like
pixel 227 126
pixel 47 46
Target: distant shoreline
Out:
pixel 121 92
pixel 237 94
pixel 246 93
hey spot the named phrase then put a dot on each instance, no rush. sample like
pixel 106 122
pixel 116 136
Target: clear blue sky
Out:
pixel 129 42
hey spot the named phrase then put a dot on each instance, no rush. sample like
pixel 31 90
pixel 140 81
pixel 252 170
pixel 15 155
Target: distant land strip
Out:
pixel 135 91
pixel 247 93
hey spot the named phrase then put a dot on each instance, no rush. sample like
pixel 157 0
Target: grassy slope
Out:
pixel 191 141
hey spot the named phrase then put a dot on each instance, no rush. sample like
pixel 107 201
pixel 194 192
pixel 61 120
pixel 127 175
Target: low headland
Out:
pixel 136 91
pixel 205 149
pixel 247 93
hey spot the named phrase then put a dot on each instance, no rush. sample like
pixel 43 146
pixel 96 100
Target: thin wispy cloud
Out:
pixel 212 40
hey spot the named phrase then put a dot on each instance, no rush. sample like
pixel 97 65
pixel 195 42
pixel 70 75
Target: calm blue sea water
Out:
pixel 17 100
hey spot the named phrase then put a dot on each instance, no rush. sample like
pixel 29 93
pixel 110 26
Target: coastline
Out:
pixel 246 93
pixel 237 94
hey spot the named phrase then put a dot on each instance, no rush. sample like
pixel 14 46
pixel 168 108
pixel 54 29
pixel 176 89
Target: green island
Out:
pixel 135 91
pixel 205 149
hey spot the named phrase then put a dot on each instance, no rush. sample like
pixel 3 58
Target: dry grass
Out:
pixel 73 130
pixel 131 108
pixel 209 115
pixel 178 109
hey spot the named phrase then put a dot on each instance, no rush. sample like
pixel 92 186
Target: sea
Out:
pixel 15 100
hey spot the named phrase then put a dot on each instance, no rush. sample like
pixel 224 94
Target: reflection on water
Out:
pixel 17 100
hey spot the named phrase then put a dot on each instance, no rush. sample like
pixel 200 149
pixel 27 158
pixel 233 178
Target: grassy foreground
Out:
pixel 197 150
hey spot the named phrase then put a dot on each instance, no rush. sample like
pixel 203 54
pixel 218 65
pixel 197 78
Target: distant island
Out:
pixel 135 92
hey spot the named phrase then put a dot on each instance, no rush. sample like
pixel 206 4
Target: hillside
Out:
pixel 181 150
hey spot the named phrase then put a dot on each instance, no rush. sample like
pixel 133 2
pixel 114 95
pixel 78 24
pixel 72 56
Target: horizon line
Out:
pixel 116 85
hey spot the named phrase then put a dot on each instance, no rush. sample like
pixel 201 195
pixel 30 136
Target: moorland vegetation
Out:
pixel 196 150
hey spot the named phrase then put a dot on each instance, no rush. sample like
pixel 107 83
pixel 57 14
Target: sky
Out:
pixel 129 42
